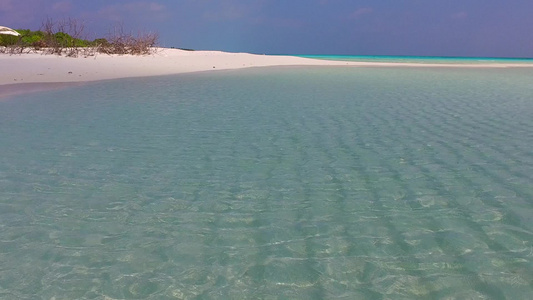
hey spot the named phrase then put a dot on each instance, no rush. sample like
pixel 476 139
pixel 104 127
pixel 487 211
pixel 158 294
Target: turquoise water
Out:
pixel 423 59
pixel 276 183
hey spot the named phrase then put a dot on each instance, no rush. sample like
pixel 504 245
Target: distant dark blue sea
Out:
pixel 271 183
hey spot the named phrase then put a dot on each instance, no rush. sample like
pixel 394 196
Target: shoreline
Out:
pixel 34 72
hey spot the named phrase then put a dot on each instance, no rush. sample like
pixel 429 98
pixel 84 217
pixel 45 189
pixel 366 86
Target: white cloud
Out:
pixel 62 6
pixel 361 12
pixel 6 5
pixel 229 10
pixel 20 13
pixel 141 9
pixel 228 13
pixel 460 15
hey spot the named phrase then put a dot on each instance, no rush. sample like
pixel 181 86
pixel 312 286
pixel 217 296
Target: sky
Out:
pixel 488 28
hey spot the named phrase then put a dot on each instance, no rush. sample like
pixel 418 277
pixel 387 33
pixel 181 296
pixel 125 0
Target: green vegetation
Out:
pixel 39 39
pixel 65 38
pixel 8 40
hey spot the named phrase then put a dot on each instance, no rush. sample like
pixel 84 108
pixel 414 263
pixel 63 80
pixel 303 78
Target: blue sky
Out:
pixel 498 28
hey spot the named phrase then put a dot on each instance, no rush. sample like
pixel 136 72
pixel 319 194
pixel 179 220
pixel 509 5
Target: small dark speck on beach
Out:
pixel 213 67
pixel 70 72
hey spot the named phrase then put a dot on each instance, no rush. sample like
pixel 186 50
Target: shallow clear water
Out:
pixel 291 183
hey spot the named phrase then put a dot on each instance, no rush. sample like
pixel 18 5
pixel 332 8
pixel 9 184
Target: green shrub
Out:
pixel 31 38
pixel 8 40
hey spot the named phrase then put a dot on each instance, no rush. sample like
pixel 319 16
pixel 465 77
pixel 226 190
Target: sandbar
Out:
pixel 33 72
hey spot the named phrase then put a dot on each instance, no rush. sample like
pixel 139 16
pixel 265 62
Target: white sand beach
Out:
pixel 20 73
pixel 32 72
